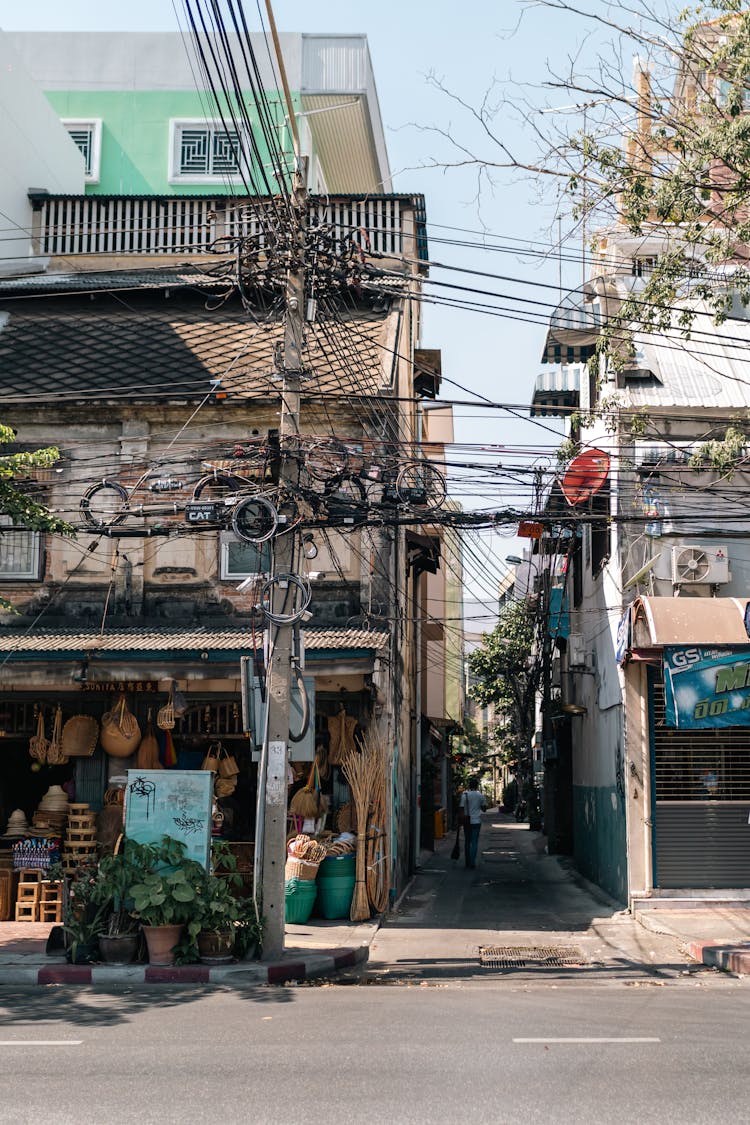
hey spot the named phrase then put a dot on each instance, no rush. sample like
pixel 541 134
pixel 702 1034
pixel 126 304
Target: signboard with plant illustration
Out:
pixel 174 803
pixel 705 688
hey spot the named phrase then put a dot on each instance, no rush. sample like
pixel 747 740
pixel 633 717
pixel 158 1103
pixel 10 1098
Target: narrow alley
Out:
pixel 522 903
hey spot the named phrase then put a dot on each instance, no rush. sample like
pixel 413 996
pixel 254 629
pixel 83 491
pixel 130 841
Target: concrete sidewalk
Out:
pixel 714 932
pixel 316 950
pixel 530 908
pixel 520 902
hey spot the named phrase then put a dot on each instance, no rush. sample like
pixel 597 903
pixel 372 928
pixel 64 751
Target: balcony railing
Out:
pixel 189 225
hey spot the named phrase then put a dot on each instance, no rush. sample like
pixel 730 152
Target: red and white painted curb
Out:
pixel 732 958
pixel 237 975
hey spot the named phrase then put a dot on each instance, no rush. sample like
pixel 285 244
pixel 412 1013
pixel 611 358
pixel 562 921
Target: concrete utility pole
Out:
pixel 275 757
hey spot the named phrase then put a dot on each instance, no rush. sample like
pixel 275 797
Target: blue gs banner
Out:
pixel 705 688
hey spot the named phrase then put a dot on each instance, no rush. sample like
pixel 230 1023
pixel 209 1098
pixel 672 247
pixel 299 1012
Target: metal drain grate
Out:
pixel 529 956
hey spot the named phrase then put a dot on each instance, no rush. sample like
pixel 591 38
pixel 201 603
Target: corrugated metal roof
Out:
pixel 712 369
pixel 183 640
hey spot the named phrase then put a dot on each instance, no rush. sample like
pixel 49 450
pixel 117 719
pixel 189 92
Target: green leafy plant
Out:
pixel 506 671
pixel 249 928
pixel 117 876
pixel 17 498
pixel 82 914
pixel 167 898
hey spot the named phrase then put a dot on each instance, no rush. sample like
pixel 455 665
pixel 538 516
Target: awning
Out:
pixel 46 644
pixel 557 391
pixel 573 329
pixel 688 621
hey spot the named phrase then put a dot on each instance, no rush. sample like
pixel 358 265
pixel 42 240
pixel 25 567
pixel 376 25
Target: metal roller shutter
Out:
pixel 702 794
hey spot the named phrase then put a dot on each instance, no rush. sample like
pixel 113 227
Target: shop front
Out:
pixel 688 704
pixel 79 710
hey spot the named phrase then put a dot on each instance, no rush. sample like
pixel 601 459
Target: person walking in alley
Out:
pixel 473 805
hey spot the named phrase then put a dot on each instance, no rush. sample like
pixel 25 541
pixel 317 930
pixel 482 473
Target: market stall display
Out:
pixel 80 845
pixel 17 824
pixel 363 769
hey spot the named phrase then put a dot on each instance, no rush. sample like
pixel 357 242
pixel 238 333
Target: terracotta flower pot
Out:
pixel 161 941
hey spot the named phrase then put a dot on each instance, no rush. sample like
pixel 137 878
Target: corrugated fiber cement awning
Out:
pixel 688 621
pixel 43 644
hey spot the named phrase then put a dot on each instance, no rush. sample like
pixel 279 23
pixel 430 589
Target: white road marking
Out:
pixel 592 1039
pixel 41 1042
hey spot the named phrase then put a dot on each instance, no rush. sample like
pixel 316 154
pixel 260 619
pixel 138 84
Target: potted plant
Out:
pixel 217 914
pixel 164 900
pixel 82 918
pixel 210 932
pixel 248 930
pixel 118 940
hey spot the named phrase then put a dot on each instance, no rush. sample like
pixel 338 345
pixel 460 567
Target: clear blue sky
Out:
pixel 466 46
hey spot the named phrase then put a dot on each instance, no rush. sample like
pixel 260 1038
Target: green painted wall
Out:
pixel 600 847
pixel 136 137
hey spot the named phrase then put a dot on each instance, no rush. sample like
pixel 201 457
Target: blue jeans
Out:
pixel 471 843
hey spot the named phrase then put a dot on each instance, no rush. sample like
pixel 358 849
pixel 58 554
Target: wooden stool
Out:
pixel 51 902
pixel 31 875
pixel 27 902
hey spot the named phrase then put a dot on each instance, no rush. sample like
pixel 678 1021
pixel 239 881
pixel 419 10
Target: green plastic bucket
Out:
pixel 299 898
pixel 337 865
pixel 335 895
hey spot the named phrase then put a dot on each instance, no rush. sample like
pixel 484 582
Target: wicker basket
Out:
pixel 120 734
pixel 79 736
pixel 298 869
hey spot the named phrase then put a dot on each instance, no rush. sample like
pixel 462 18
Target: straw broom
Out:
pixel 377 857
pixel 360 770
pixel 306 802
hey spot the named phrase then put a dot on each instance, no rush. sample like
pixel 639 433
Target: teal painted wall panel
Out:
pixel 599 838
pixel 136 137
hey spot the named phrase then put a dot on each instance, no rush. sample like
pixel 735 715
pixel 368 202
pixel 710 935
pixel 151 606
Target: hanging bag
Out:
pixel 120 734
pixel 227 763
pixel 211 760
pixel 225 786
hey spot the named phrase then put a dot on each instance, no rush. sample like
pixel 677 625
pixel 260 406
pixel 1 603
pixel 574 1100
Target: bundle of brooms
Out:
pixel 378 868
pixel 365 772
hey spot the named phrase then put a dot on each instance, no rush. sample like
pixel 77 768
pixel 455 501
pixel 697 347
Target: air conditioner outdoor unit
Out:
pixel 694 565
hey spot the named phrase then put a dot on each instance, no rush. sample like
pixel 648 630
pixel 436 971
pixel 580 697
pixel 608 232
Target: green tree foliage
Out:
pixel 18 501
pixel 471 752
pixel 673 157
pixel 684 172
pixel 507 676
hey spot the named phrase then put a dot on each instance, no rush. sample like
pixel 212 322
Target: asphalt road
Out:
pixel 406 1054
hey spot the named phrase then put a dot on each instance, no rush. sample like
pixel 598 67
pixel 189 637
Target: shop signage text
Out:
pixel 121 685
pixel 706 687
